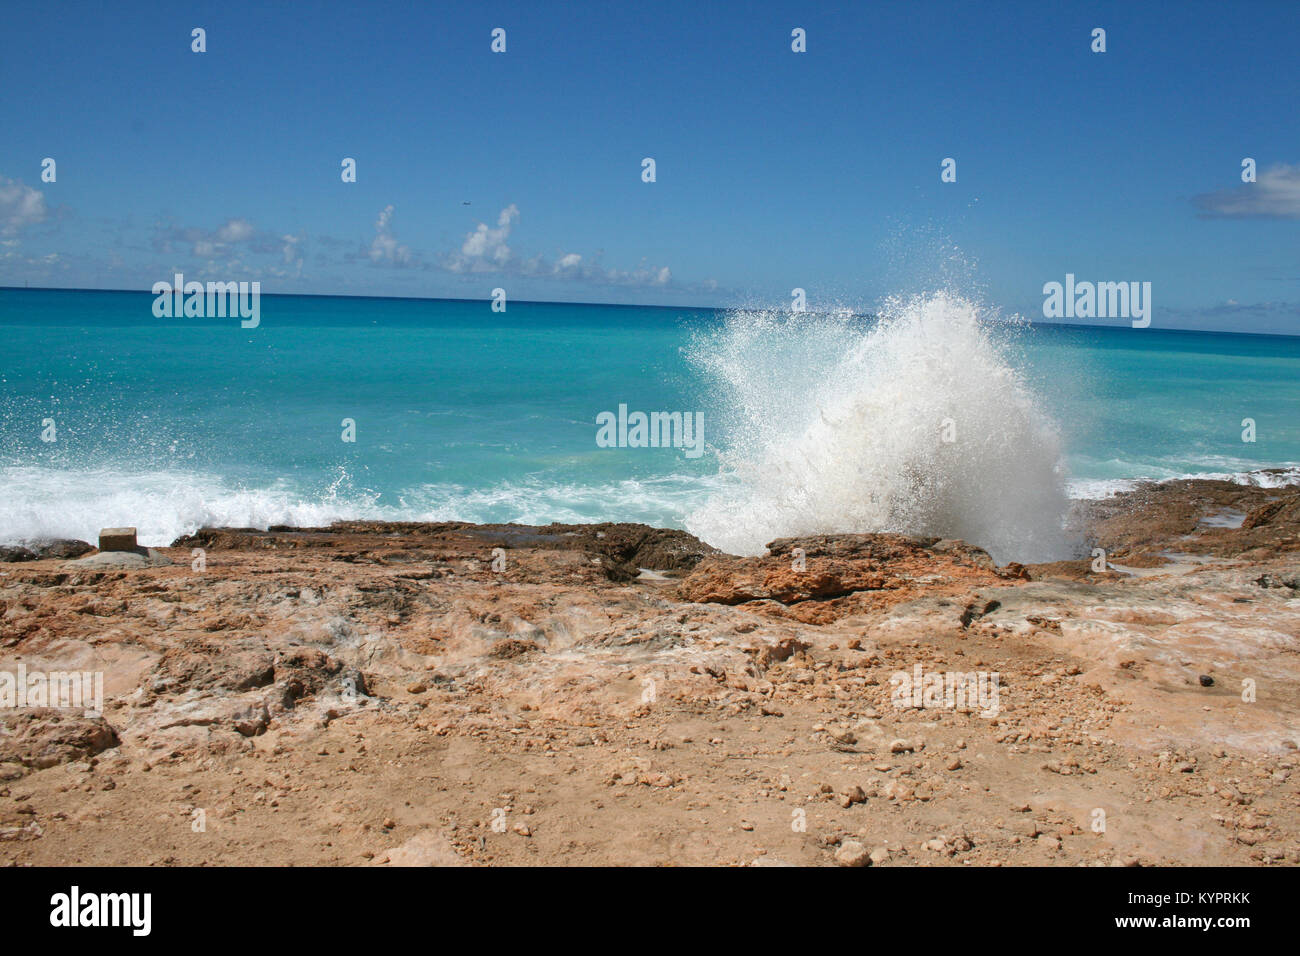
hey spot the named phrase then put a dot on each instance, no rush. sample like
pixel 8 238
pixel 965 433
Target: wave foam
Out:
pixel 1280 477
pixel 38 503
pixel 833 426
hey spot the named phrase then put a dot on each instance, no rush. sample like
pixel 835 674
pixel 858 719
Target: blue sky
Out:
pixel 775 169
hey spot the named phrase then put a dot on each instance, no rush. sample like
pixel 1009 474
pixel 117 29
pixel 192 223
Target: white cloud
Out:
pixel 234 248
pixel 386 248
pixel 486 249
pixel 235 230
pixel 292 252
pixel 205 244
pixel 1276 195
pixel 19 206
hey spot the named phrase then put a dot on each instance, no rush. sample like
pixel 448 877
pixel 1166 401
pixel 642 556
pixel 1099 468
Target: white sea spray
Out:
pixel 917 423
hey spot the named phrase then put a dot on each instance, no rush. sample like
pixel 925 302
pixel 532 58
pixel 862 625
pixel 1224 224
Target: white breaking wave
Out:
pixel 41 503
pixel 831 426
pixel 1280 477
pixel 38 503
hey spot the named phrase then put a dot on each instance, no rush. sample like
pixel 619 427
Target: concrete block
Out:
pixel 117 539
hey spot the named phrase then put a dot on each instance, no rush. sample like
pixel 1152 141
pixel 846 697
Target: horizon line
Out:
pixel 626 305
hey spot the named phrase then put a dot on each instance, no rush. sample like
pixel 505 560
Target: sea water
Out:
pixel 929 415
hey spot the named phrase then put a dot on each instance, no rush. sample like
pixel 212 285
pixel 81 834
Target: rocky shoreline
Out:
pixel 416 694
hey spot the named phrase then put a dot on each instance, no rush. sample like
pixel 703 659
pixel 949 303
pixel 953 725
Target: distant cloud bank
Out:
pixel 20 206
pixel 1275 196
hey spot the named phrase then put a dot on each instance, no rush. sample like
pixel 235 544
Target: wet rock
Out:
pixel 62 548
pixel 1284 512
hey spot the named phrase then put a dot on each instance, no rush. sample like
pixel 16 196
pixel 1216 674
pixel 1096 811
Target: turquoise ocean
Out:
pixel 810 422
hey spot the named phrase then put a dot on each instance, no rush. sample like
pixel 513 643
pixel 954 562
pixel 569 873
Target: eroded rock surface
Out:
pixel 408 694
